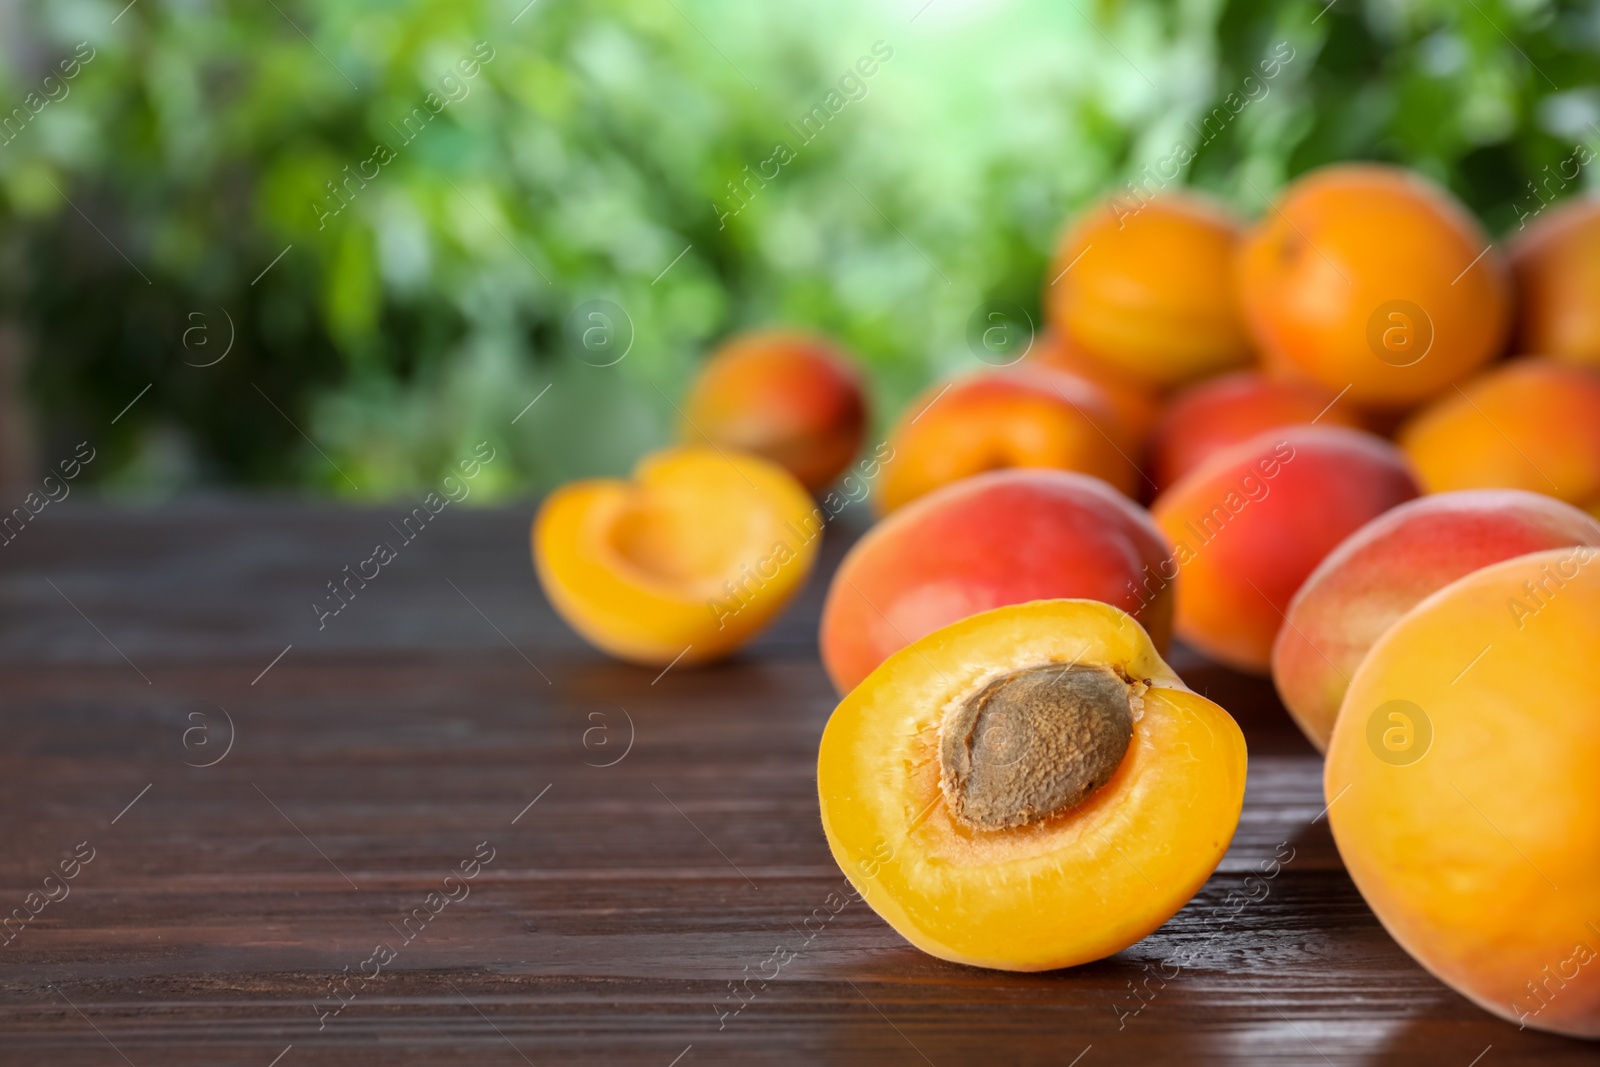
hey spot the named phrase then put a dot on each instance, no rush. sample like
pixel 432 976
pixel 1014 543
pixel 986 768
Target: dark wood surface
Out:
pixel 378 753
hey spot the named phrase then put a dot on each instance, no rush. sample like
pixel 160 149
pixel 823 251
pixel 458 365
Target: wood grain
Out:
pixel 384 749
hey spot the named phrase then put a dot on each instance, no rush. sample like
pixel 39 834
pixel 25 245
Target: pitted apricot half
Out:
pixel 699 552
pixel 1029 788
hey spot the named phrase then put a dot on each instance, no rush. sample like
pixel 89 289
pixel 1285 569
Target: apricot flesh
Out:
pixel 1460 779
pixel 690 559
pixel 1066 881
pixel 1386 568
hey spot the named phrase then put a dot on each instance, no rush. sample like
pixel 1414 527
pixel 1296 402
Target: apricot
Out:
pixel 990 420
pixel 1556 265
pixel 1530 424
pixel 1460 783
pixel 1137 405
pixel 1386 568
pixel 691 559
pixel 790 397
pixel 1006 537
pixel 1145 287
pixel 1252 522
pixel 1236 407
pixel 1029 788
pixel 1373 278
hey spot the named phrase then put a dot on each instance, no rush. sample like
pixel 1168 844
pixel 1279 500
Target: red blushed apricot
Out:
pixel 1251 523
pixel 1386 568
pixel 1461 787
pixel 691 559
pixel 1213 415
pixel 789 397
pixel 1145 287
pixel 1020 417
pixel 1529 424
pixel 1137 405
pixel 1373 278
pixel 1556 264
pixel 1029 788
pixel 1001 538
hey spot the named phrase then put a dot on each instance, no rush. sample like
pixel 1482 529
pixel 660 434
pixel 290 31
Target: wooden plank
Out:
pixel 385 748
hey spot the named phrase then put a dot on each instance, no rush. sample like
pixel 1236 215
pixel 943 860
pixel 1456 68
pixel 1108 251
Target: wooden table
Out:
pixel 444 714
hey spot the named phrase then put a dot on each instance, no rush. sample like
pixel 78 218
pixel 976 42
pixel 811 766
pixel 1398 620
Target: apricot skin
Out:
pixel 1076 886
pixel 1146 288
pixel 1556 264
pixel 789 397
pixel 691 559
pixel 1320 277
pixel 1529 424
pixel 1466 815
pixel 1386 568
pixel 1022 417
pixel 1224 411
pixel 1136 404
pixel 1001 538
pixel 1251 523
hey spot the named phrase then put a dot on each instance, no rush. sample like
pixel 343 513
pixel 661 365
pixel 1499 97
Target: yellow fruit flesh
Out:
pixel 1071 888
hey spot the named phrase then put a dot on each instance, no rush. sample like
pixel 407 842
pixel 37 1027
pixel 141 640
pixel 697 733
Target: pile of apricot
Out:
pixel 1354 445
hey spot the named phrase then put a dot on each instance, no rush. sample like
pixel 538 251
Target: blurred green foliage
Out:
pixel 139 209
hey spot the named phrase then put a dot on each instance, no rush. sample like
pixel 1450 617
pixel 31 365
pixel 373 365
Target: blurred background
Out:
pixel 329 246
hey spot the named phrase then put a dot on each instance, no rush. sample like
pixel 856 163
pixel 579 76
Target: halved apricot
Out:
pixel 1029 788
pixel 691 559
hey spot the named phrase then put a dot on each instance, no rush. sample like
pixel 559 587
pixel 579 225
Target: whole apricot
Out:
pixel 683 564
pixel 790 397
pixel 1374 279
pixel 1145 287
pixel 1386 568
pixel 1137 405
pixel 1001 538
pixel 1029 788
pixel 994 419
pixel 1556 264
pixel 1460 784
pixel 1529 424
pixel 1252 522
pixel 1215 414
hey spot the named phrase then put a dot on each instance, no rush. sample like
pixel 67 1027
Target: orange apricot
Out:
pixel 1137 405
pixel 1006 537
pixel 1145 288
pixel 692 558
pixel 1373 278
pixel 1251 523
pixel 1529 424
pixel 1460 784
pixel 1386 568
pixel 789 397
pixel 1215 414
pixel 1029 788
pixel 1556 264
pixel 990 420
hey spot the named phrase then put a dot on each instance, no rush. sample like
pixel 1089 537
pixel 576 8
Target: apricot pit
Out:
pixel 1033 743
